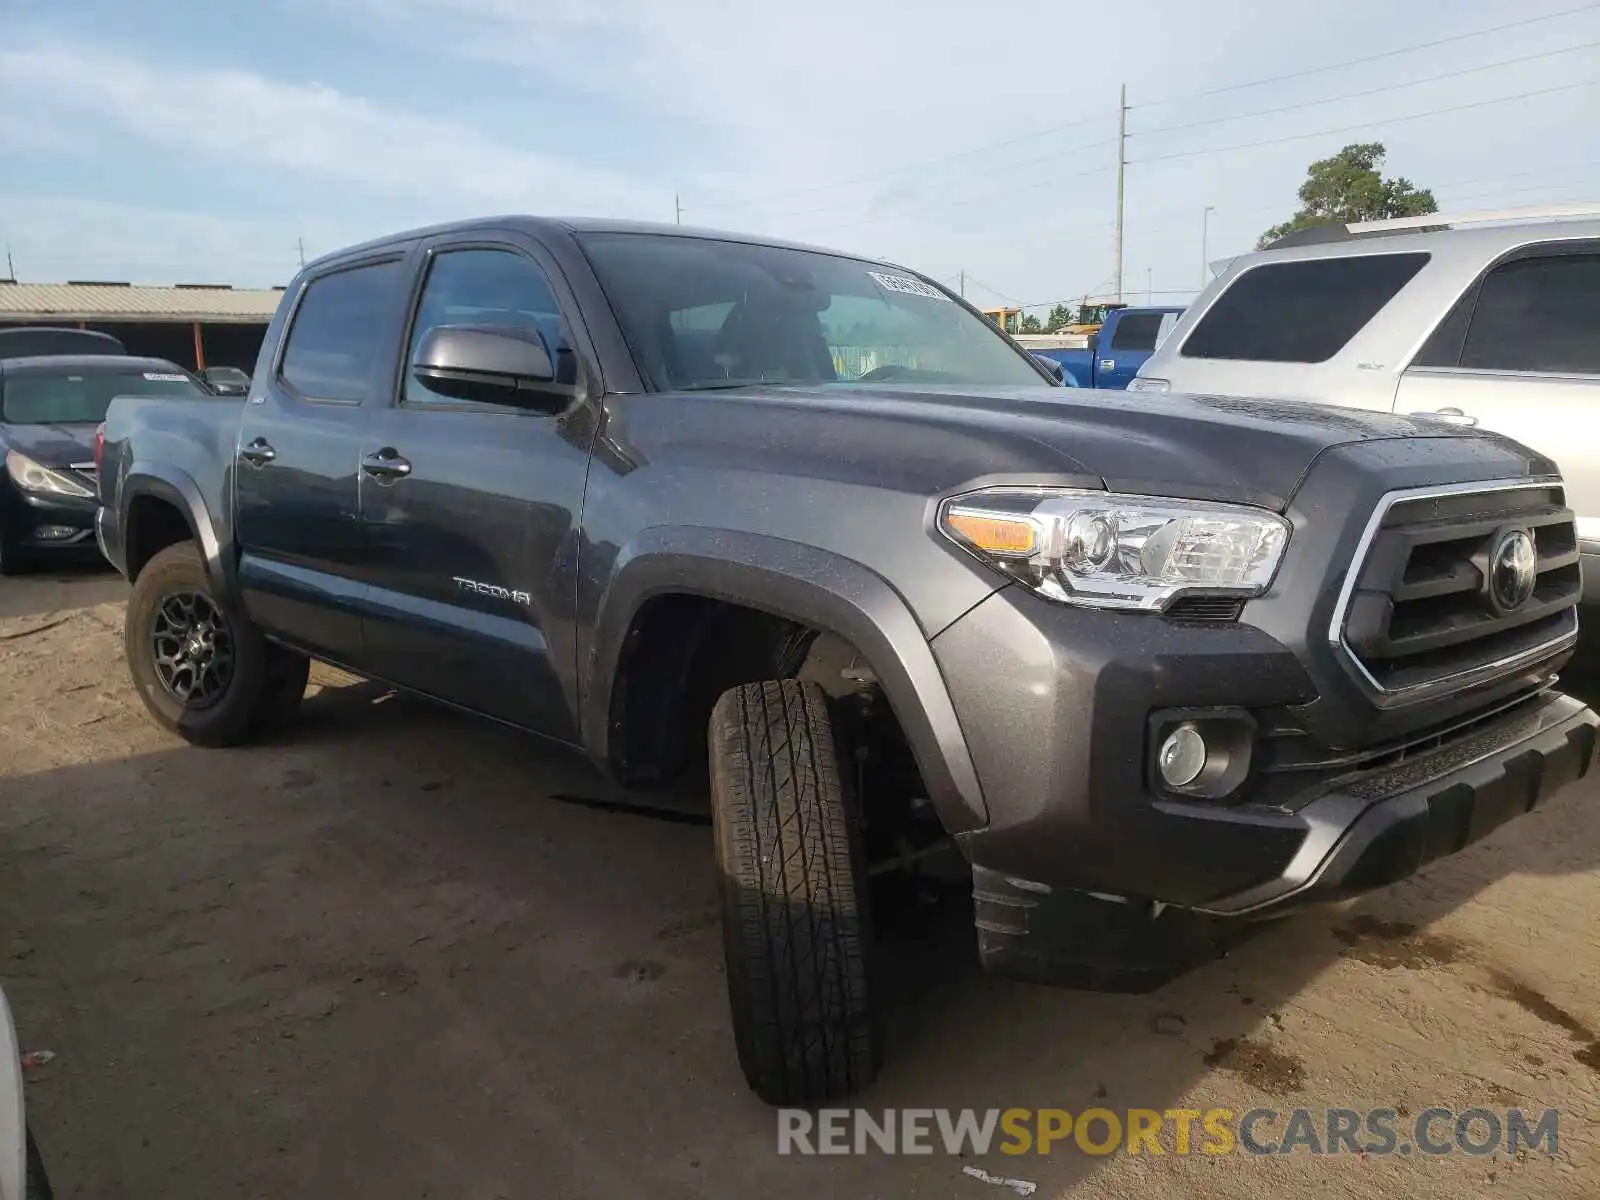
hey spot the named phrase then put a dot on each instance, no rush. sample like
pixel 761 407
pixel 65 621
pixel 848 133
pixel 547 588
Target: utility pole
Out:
pixel 11 267
pixel 1122 163
pixel 301 243
pixel 962 286
pixel 677 209
pixel 1205 228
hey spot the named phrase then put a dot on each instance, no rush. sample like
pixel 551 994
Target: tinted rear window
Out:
pixel 1137 331
pixel 82 397
pixel 1538 314
pixel 1301 312
pixel 339 333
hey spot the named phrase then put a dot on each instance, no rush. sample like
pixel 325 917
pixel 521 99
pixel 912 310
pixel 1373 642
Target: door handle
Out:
pixel 258 453
pixel 1454 415
pixel 386 465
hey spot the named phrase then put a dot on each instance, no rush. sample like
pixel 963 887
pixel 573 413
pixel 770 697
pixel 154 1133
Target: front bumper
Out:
pixel 1055 703
pixel 48 523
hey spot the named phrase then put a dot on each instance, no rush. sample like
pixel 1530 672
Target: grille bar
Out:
pixel 1414 617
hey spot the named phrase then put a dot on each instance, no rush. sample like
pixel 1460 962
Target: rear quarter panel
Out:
pixel 164 445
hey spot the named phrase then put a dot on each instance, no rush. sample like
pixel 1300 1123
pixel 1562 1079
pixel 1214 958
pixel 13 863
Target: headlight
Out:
pixel 1141 383
pixel 1104 550
pixel 31 477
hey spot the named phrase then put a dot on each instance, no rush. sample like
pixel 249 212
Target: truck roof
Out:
pixel 536 226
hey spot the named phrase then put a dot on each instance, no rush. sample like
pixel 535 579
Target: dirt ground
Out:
pixel 378 958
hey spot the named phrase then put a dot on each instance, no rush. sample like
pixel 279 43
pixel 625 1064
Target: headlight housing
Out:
pixel 31 477
pixel 1107 550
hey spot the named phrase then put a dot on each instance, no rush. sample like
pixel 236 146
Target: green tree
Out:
pixel 1060 317
pixel 1349 187
pixel 1030 324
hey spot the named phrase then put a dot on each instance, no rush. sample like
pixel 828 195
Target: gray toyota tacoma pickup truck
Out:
pixel 804 533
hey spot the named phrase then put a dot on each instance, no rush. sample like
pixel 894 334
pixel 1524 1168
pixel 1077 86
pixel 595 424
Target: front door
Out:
pixel 296 465
pixel 472 508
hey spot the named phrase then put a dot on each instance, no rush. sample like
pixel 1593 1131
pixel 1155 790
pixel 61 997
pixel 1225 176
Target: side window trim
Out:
pixel 1452 342
pixel 278 379
pixel 430 253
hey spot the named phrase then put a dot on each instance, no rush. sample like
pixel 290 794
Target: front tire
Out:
pixel 203 672
pixel 796 933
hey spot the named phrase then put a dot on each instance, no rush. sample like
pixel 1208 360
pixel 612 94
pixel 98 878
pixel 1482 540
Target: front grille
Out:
pixel 1419 613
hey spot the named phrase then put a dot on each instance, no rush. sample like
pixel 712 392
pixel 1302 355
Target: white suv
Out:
pixel 1489 319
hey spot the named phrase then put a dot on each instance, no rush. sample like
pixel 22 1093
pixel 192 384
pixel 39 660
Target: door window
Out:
pixel 338 334
pixel 1137 331
pixel 1300 312
pixel 487 287
pixel 1538 314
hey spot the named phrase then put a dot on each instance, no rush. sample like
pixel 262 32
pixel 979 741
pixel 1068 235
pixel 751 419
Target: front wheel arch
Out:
pixel 814 589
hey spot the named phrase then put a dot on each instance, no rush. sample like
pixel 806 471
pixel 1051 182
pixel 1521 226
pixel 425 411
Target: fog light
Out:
pixel 1200 753
pixel 1182 756
pixel 53 533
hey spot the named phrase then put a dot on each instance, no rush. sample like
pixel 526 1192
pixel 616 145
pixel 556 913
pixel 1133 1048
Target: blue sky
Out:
pixel 184 141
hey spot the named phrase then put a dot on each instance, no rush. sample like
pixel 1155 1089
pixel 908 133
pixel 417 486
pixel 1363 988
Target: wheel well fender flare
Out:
pixel 812 587
pixel 168 483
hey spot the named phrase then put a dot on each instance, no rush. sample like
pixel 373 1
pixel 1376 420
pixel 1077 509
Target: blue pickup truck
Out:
pixel 1115 354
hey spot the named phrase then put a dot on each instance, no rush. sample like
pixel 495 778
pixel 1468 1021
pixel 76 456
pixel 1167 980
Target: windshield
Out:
pixel 81 398
pixel 702 313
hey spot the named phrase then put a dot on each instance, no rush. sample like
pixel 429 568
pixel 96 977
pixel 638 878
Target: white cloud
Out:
pixel 804 94
pixel 310 129
pixel 56 237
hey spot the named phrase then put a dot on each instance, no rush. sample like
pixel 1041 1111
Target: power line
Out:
pixel 1561 167
pixel 1297 137
pixel 988 147
pixel 1052 156
pixel 995 194
pixel 1351 62
pixel 994 291
pixel 916 166
pixel 1391 87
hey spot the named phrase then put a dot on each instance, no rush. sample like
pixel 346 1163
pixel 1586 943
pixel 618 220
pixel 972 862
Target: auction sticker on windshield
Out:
pixel 907 285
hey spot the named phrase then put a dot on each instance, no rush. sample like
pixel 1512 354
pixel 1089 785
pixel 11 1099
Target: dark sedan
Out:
pixel 226 381
pixel 49 408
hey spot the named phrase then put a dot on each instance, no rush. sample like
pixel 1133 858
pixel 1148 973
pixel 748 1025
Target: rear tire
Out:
pixel 796 932
pixel 223 707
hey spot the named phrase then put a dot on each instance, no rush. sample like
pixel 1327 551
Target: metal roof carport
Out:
pixel 197 325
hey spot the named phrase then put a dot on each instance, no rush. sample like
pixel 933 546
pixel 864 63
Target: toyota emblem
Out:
pixel 1513 570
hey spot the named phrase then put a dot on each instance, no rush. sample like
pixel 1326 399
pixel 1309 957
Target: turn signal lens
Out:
pixel 993 535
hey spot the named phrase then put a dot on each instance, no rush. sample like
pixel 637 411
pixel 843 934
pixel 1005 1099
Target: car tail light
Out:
pixel 99 446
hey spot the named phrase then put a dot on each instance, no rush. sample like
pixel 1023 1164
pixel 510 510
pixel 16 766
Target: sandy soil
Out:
pixel 378 958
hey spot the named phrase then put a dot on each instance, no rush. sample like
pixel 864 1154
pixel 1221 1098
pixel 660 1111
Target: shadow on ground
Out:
pixel 375 958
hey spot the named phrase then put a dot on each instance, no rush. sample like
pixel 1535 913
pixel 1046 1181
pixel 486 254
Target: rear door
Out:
pixel 297 464
pixel 471 508
pixel 1520 354
pixel 1133 338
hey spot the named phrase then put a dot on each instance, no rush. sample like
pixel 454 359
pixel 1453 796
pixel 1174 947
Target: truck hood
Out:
pixel 1198 447
pixel 50 445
